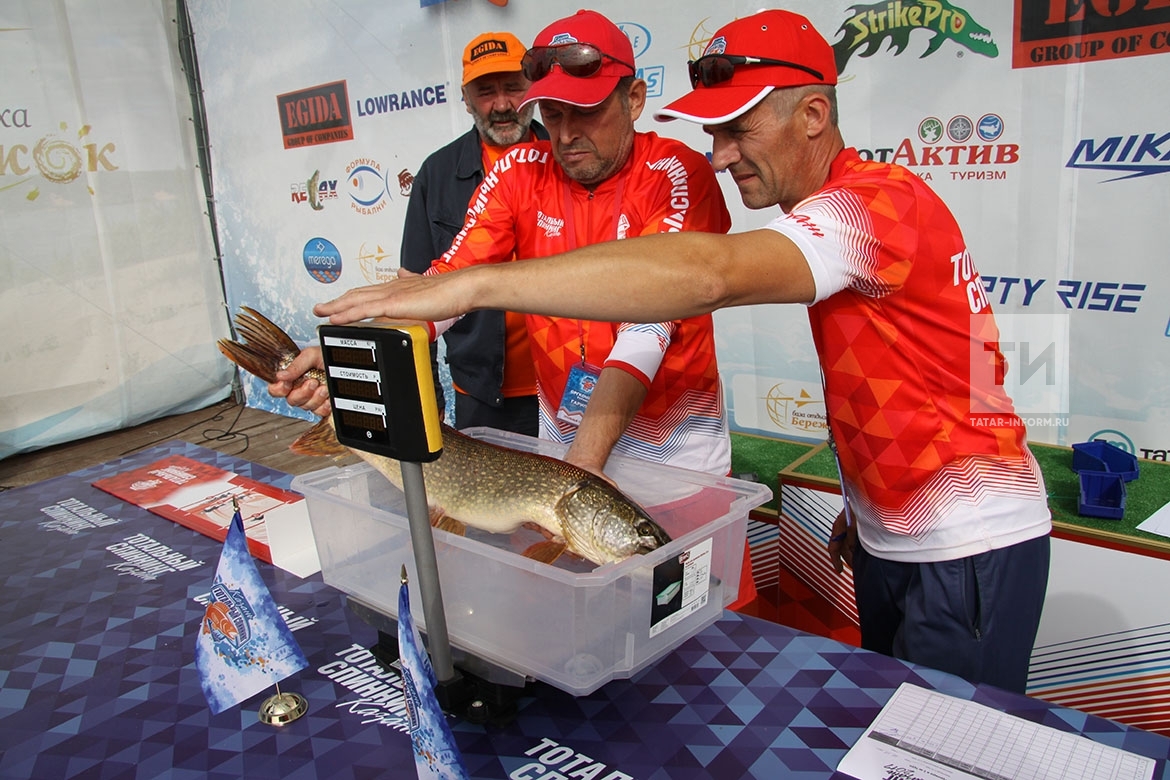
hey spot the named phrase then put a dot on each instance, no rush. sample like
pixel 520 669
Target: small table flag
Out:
pixel 243 646
pixel 436 756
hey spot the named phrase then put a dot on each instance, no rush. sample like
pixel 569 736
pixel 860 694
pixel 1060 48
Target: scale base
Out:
pixel 479 692
pixel 465 695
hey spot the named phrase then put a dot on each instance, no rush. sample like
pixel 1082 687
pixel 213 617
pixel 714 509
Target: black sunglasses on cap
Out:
pixel 579 60
pixel 717 68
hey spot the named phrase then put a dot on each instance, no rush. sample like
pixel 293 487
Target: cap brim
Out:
pixel 558 85
pixel 713 105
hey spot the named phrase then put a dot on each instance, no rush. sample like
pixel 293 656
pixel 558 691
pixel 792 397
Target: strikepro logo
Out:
pixel 870 26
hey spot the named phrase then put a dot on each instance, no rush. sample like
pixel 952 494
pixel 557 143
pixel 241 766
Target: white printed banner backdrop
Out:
pixel 111 297
pixel 1043 126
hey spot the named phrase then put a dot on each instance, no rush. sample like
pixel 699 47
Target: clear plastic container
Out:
pixel 575 627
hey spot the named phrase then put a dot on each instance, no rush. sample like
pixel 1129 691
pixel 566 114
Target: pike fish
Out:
pixel 476 483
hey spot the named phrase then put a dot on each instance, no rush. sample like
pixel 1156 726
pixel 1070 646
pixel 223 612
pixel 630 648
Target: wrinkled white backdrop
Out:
pixel 111 298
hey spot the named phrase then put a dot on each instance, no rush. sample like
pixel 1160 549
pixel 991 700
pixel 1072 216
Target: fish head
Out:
pixel 602 524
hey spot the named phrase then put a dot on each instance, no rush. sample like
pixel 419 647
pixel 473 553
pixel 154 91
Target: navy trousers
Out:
pixel 519 415
pixel 974 617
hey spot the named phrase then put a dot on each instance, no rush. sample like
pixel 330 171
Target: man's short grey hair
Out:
pixel 784 100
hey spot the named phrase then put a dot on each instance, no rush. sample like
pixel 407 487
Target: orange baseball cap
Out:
pixel 492 52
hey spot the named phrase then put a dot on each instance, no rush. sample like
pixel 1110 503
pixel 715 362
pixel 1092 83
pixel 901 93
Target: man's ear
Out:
pixel 637 95
pixel 817 112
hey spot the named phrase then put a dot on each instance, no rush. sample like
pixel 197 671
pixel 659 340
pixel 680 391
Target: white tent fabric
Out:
pixel 111 298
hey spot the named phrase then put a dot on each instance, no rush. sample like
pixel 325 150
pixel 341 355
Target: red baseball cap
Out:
pixel 583 27
pixel 775 35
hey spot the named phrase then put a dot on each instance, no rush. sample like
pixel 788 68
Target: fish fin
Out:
pixel 538 528
pixel 444 522
pixel 319 440
pixel 264 347
pixel 545 552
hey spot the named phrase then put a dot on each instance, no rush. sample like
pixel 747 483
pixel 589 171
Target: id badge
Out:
pixel 579 388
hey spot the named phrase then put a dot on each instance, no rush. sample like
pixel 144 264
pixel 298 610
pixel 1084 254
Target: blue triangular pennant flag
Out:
pixel 436 756
pixel 243 645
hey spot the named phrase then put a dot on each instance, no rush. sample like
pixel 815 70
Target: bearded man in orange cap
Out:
pixel 492 374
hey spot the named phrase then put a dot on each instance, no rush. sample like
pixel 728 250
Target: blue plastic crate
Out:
pixel 1102 495
pixel 1100 455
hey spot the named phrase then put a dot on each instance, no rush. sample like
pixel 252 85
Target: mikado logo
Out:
pixel 1131 156
pixel 50 158
pixel 869 27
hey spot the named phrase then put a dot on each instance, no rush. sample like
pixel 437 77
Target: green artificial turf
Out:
pixel 1144 495
pixel 765 457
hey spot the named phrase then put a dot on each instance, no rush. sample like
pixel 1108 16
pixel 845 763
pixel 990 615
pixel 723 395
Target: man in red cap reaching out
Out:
pixel 946 523
pixel 650 390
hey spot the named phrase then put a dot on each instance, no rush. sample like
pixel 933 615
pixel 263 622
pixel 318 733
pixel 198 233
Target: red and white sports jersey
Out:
pixel 527 207
pixel 930 472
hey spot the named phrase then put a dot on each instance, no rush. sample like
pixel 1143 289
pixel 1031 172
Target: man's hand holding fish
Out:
pixel 297 384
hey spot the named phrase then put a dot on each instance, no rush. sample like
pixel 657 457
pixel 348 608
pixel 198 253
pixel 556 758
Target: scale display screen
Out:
pixel 381 389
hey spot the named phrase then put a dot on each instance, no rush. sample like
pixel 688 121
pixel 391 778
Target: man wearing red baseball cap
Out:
pixel 650 390
pixel 946 520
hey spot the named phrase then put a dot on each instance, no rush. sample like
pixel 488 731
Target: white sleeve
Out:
pixel 832 230
pixel 640 347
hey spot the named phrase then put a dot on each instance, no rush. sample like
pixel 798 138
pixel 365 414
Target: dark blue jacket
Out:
pixel 439 196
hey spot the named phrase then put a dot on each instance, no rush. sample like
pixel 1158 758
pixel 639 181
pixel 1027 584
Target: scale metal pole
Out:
pixel 426 566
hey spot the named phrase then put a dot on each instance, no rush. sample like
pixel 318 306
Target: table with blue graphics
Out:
pixel 97 675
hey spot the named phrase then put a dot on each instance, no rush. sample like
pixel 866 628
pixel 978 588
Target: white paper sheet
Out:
pixel 1157 523
pixel 926 735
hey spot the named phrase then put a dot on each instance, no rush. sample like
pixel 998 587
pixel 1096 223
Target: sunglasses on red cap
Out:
pixel 579 60
pixel 717 68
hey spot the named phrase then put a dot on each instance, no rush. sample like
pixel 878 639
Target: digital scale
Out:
pixel 382 392
pixel 381 389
